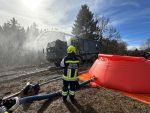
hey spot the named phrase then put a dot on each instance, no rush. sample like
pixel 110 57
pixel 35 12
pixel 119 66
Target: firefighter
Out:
pixel 70 63
pixel 146 55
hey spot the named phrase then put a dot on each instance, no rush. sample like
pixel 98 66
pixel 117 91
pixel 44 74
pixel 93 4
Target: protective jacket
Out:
pixel 70 63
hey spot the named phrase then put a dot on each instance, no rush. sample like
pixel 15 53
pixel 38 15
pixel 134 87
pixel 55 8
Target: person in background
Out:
pixel 147 55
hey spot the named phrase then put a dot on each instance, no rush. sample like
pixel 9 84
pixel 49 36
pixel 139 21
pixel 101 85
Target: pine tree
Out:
pixel 85 25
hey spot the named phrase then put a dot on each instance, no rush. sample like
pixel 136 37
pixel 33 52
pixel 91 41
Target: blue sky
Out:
pixel 130 17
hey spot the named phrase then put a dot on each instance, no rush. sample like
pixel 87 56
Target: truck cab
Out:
pixel 56 50
pixel 87 50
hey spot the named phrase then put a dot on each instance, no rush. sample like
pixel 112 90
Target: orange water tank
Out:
pixel 126 73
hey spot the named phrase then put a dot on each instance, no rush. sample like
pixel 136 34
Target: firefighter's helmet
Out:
pixel 71 49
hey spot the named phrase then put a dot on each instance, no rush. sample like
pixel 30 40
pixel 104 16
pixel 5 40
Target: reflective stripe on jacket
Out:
pixel 72 70
pixel 70 64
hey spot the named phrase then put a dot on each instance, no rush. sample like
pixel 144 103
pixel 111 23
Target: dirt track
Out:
pixel 89 100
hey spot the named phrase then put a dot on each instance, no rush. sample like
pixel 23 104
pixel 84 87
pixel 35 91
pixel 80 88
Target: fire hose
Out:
pixel 34 87
pixel 12 104
pixel 37 85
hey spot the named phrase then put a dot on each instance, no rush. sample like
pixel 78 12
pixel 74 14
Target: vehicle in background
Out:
pixel 87 50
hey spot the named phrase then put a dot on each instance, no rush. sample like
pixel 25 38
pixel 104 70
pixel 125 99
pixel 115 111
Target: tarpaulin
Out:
pixel 85 76
pixel 145 98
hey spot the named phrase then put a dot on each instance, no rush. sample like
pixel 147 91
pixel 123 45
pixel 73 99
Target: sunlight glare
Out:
pixel 33 5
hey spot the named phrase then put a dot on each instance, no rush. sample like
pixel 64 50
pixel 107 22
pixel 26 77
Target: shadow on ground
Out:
pixel 46 105
pixel 75 107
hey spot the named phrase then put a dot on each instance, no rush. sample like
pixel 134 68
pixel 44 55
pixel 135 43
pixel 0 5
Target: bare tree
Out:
pixel 102 26
pixel 147 44
pixel 113 33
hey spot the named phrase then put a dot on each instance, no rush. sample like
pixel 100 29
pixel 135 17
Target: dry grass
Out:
pixel 89 100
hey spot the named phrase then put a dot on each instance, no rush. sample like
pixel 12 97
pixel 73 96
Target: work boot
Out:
pixel 64 98
pixel 72 97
